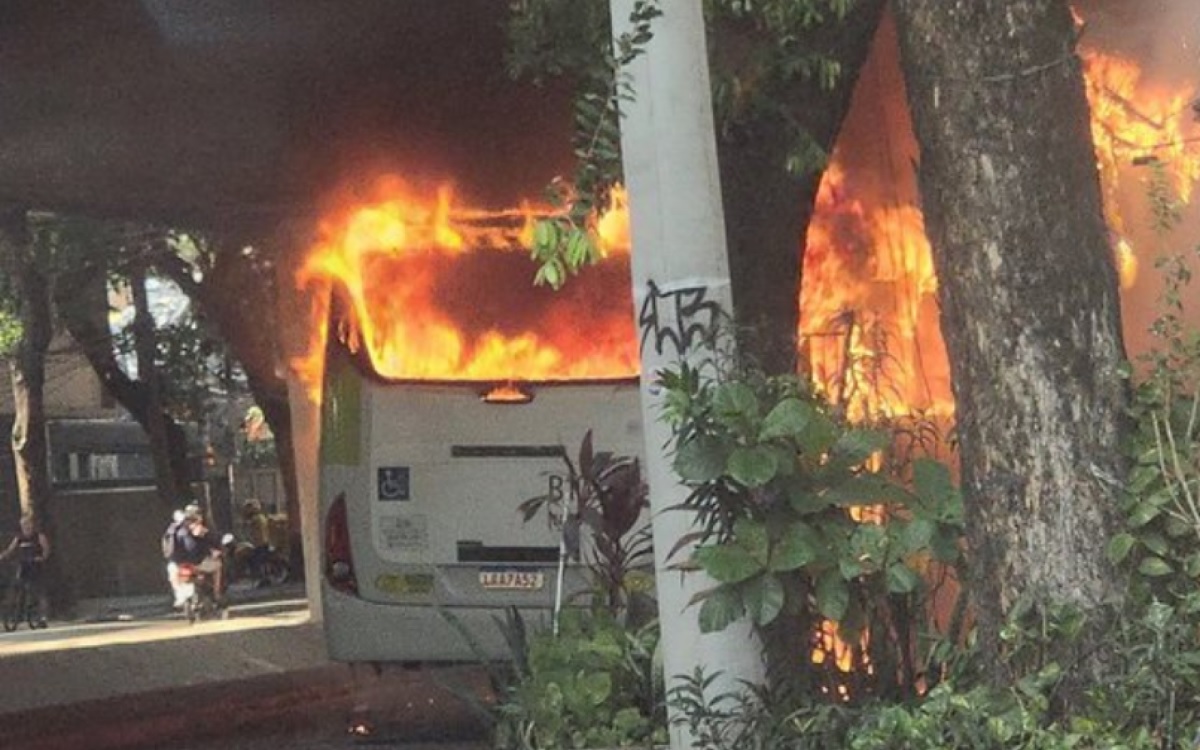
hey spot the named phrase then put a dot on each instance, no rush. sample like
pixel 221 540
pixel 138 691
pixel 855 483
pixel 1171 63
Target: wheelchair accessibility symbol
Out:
pixel 393 483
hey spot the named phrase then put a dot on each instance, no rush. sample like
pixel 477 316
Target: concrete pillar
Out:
pixel 681 293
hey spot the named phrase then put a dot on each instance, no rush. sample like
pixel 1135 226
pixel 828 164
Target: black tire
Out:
pixel 275 571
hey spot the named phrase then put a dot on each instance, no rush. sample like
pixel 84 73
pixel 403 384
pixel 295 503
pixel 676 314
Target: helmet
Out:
pixel 192 510
pixel 252 507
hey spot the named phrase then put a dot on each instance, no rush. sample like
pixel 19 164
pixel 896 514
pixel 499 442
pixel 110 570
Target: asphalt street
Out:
pixel 143 677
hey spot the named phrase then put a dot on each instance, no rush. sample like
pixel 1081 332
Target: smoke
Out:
pixel 1162 35
pixel 1163 38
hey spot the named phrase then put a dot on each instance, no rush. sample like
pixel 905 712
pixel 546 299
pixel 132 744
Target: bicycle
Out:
pixel 22 604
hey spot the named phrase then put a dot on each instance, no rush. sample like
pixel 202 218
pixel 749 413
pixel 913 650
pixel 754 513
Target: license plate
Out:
pixel 512 579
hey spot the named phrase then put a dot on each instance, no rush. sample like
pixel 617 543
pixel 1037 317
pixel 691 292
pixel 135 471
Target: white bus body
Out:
pixel 419 489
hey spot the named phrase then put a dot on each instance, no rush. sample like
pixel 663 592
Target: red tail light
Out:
pixel 339 563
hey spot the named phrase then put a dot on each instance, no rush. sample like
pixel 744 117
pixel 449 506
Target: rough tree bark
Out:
pixel 27 370
pixel 1029 302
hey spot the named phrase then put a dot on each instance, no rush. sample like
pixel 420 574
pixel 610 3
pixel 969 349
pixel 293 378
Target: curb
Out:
pixel 155 719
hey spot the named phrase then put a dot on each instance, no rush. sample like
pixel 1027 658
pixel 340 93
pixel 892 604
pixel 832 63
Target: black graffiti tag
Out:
pixel 679 317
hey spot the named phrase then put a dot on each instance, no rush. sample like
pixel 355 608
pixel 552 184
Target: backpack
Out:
pixel 168 540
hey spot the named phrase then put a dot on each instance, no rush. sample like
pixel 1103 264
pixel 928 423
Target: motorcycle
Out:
pixel 266 567
pixel 198 588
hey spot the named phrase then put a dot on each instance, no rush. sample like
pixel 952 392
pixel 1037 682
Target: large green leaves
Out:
pixel 753 466
pixel 702 459
pixel 833 595
pixel 722 606
pixel 788 419
pixel 728 563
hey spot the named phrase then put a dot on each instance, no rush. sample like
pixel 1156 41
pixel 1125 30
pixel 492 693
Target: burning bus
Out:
pixel 449 388
pixel 424 460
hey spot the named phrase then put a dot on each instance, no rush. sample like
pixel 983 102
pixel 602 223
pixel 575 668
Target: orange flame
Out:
pixel 1135 123
pixel 868 315
pixel 437 292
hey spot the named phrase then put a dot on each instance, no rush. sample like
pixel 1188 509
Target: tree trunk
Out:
pixel 1029 302
pixel 81 298
pixel 27 369
pixel 767 208
pixel 170 456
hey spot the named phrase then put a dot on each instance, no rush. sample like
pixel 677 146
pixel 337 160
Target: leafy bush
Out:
pixel 800 531
pixel 593 685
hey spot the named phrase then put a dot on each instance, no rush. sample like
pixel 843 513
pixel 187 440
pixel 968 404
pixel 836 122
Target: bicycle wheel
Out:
pixel 15 609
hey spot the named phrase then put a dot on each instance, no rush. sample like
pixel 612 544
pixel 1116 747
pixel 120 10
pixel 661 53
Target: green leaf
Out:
pixel 1141 477
pixel 751 535
pixel 596 686
pixel 722 607
pixel 799 545
pixel 545 235
pixel 1144 513
pixel 917 533
pixel 804 500
pixel 932 483
pixel 763 598
pixel 578 249
pixel 833 595
pixel 1156 543
pixel 850 569
pixel 1177 527
pixel 728 563
pixel 856 446
pixel 702 459
pixel 819 435
pixel 788 419
pixel 864 489
pixel 735 399
pixel 902 579
pixel 1192 565
pixel 752 466
pixel 1119 547
pixel 1154 567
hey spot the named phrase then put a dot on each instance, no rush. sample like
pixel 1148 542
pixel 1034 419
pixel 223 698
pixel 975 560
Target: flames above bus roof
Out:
pixel 440 291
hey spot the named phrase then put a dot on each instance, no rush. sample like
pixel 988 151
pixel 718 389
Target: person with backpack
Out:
pixel 169 536
pixel 194 543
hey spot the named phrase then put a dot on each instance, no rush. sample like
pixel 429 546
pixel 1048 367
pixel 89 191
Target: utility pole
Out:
pixel 682 302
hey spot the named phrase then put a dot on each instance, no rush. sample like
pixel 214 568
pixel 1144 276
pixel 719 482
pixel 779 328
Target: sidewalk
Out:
pixel 157 605
pixel 217 676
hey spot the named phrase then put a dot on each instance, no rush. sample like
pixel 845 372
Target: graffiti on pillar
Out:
pixel 677 318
